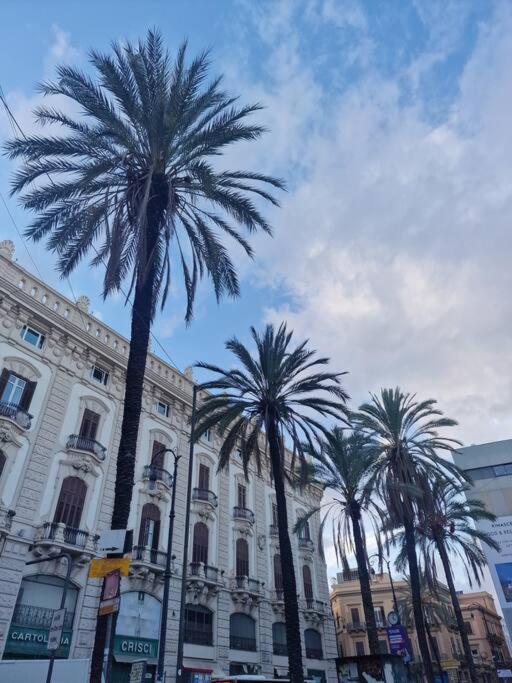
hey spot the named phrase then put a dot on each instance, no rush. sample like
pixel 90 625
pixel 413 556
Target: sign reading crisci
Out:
pixel 135 647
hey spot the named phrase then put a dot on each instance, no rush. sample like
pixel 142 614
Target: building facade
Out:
pixel 490 467
pixel 61 389
pixel 482 622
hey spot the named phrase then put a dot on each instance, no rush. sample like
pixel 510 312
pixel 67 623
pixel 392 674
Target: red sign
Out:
pixel 111 585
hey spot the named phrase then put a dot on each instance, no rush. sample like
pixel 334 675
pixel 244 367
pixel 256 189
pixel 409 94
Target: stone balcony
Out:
pixel 53 538
pixel 315 611
pixel 83 444
pixel 306 545
pixel 13 421
pixel 157 477
pixel 246 592
pixel 277 601
pixel 6 517
pixel 203 581
pixel 204 500
pixel 355 626
pixel 147 563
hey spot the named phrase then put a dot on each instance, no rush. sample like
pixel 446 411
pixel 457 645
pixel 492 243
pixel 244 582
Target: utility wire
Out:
pixel 14 123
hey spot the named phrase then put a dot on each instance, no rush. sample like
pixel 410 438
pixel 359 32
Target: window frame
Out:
pixel 166 406
pixel 40 336
pixel 106 374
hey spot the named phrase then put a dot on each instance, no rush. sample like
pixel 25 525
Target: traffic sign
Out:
pixel 115 541
pixel 111 585
pixel 56 627
pixel 103 566
pixel 108 606
pixel 397 639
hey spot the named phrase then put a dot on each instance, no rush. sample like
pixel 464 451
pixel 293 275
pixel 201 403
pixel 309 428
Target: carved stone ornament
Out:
pixel 262 541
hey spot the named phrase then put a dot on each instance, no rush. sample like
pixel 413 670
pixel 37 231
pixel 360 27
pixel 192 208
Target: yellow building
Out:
pixel 483 623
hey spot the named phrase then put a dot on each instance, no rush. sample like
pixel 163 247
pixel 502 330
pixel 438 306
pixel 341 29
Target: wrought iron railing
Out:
pixel 38 617
pixel 356 626
pixel 13 412
pixel 314 653
pixel 84 443
pixel 198 636
pixel 242 643
pixel 70 535
pixel 314 604
pixel 205 495
pixel 245 583
pixel 280 649
pixel 150 555
pixel 157 474
pixel 243 513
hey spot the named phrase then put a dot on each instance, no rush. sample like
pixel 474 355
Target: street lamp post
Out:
pixel 388 564
pixel 167 573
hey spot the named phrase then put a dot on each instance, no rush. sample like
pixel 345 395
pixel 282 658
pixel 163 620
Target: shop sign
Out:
pixel 135 647
pixel 34 641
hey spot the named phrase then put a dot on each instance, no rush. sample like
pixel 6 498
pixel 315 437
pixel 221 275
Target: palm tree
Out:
pixel 445 526
pixel 279 390
pixel 343 467
pixel 436 611
pixel 131 179
pixel 406 431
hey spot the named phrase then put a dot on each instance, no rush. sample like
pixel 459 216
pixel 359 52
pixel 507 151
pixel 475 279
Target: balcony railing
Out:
pixel 273 530
pixel 198 636
pixel 314 653
pixel 280 649
pixel 313 604
pixel 141 553
pixel 58 532
pixel 13 412
pixel 305 544
pixel 277 595
pixel 243 513
pixel 204 495
pixel 241 643
pixel 38 617
pixel 245 583
pixel 204 571
pixel 356 626
pixel 84 443
pixel 154 473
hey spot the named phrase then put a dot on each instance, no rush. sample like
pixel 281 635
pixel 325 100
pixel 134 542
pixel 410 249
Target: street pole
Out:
pixel 395 602
pixel 181 630
pixel 63 597
pixel 167 575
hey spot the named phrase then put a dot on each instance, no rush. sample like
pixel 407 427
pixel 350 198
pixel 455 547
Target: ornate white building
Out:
pixel 61 390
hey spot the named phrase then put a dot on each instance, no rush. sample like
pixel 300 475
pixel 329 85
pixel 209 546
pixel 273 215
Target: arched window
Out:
pixel 198 625
pixel 242 632
pixel 200 543
pixel 70 504
pixel 242 557
pixel 308 583
pixel 149 532
pixel 313 642
pixel 278 573
pixel 279 639
pixel 3 460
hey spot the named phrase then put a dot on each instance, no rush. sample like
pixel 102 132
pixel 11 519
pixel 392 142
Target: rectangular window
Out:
pixel 162 408
pixel 90 423
pixel 99 374
pixel 242 496
pixel 32 336
pixel 469 627
pixel 360 648
pixel 204 477
pixel 379 616
pixel 354 613
pixel 15 390
pixel 208 435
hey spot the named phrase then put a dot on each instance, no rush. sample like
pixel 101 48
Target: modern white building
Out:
pixel 61 388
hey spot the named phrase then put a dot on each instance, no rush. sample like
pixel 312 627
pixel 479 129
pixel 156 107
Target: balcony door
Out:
pixel 204 478
pixel 70 504
pixel 90 423
pixel 149 534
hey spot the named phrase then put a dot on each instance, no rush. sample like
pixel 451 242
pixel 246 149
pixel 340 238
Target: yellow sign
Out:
pixel 100 568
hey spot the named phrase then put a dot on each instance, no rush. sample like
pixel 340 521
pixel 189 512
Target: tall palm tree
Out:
pixel 444 528
pixel 131 179
pixel 281 390
pixel 406 431
pixel 342 466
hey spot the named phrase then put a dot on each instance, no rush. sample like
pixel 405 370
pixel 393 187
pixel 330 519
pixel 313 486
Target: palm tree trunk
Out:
pixel 433 647
pixel 291 607
pixel 364 581
pixel 142 315
pixel 410 545
pixel 456 608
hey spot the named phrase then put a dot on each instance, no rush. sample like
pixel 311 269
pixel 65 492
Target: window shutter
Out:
pixel 157 456
pixel 4 376
pixel 90 423
pixel 26 396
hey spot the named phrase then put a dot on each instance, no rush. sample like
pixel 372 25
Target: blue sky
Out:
pixel 389 122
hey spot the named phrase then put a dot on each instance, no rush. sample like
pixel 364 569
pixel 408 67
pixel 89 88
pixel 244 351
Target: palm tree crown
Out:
pixel 134 174
pixel 280 383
